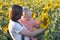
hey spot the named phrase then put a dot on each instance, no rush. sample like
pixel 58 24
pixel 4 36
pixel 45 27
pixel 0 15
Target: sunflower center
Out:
pixel 45 21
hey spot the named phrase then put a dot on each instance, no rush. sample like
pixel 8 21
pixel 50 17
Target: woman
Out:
pixel 16 30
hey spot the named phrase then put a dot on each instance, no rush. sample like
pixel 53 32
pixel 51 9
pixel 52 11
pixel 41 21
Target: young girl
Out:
pixel 28 22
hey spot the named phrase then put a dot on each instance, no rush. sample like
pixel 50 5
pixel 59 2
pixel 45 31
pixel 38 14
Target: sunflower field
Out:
pixel 46 10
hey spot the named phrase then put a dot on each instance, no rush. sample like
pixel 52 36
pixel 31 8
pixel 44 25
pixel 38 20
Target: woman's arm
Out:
pixel 29 33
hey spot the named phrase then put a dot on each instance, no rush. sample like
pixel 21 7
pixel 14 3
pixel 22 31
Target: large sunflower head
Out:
pixel 45 21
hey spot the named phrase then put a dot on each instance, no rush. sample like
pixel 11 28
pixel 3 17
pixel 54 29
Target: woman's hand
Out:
pixel 29 33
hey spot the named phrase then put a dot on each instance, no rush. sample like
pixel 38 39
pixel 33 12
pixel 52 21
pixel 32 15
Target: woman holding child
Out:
pixel 17 27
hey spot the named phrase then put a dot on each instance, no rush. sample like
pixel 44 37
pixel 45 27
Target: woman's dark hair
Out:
pixel 16 12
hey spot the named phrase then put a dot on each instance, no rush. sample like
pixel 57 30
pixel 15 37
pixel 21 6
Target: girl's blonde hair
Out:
pixel 27 11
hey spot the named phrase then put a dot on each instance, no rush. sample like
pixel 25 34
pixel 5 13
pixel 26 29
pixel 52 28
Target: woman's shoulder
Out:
pixel 13 23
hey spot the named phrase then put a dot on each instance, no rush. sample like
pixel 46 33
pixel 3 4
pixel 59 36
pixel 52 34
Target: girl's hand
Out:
pixel 37 26
pixel 40 21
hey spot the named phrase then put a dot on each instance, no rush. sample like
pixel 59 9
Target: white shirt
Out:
pixel 14 30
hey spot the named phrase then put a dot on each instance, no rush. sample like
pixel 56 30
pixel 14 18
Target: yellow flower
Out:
pixel 1 12
pixel 50 1
pixel 45 21
pixel 47 6
pixel 28 4
pixel 33 15
pixel 57 3
pixel 36 2
pixel 6 3
pixel 0 5
pixel 20 3
pixel 5 29
pixel 45 10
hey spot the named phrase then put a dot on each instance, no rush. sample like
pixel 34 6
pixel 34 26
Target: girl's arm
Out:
pixel 36 23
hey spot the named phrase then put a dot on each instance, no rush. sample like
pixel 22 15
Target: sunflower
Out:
pixel 33 15
pixel 5 29
pixel 45 20
pixel 19 3
pixel 1 5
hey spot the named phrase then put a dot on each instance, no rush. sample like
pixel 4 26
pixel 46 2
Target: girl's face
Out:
pixel 29 15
